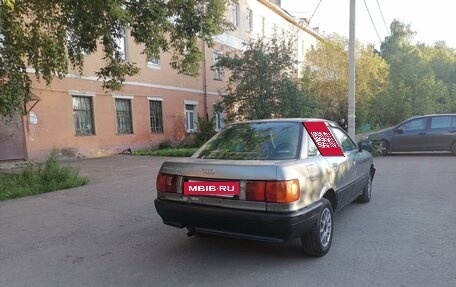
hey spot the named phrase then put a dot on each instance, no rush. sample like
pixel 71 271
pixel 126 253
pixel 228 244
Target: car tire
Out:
pixel 317 241
pixel 365 197
pixel 384 148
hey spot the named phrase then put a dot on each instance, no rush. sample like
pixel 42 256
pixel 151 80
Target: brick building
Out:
pixel 77 117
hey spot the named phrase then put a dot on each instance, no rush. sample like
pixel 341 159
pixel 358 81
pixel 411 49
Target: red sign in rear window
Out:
pixel 323 139
pixel 215 188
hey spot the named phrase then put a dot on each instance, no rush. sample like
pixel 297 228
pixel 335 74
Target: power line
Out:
pixel 318 5
pixel 384 22
pixel 372 20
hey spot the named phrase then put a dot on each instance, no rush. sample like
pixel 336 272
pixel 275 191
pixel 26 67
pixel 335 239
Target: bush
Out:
pixel 174 152
pixel 165 145
pixel 42 178
pixel 205 130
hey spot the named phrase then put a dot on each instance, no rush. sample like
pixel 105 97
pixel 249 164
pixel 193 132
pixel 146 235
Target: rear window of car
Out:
pixel 443 122
pixel 254 141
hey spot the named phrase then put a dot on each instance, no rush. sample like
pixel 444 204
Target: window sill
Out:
pixel 153 66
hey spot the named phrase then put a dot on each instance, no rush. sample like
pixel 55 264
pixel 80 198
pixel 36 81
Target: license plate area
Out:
pixel 222 188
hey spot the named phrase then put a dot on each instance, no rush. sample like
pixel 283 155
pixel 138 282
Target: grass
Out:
pixel 173 152
pixel 46 177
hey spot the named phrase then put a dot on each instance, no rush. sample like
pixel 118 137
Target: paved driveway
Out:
pixel 108 234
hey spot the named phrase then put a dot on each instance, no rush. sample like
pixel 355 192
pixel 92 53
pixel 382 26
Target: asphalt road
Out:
pixel 108 234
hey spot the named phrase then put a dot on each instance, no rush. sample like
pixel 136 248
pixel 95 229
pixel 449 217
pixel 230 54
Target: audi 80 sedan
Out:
pixel 265 180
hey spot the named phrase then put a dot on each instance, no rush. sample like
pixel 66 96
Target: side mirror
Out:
pixel 364 145
pixel 399 130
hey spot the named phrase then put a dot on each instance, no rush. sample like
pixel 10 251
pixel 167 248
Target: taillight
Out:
pixel 255 190
pixel 281 191
pixel 166 183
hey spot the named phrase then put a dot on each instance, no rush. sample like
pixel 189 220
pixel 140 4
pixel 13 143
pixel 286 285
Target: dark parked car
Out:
pixel 265 180
pixel 421 133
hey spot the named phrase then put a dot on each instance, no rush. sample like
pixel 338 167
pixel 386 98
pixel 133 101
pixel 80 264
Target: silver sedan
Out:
pixel 266 180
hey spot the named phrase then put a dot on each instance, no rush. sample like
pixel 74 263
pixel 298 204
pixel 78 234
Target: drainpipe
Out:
pixel 206 113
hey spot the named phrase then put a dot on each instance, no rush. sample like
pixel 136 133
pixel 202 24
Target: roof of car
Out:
pixel 287 120
pixel 431 115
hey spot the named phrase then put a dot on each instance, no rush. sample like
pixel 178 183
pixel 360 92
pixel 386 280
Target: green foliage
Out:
pixel 263 81
pixel 422 77
pixel 165 145
pixel 402 80
pixel 205 130
pixel 51 35
pixel 171 152
pixel 326 76
pixel 39 179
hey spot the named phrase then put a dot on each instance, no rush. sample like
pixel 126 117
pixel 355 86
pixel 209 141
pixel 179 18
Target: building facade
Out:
pixel 80 119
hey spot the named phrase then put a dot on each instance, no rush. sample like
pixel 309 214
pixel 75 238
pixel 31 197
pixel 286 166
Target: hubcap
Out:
pixel 325 227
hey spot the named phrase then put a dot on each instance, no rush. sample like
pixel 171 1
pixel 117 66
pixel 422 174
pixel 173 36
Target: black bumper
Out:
pixel 257 225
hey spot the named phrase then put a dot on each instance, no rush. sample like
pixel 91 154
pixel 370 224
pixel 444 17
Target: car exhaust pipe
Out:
pixel 190 232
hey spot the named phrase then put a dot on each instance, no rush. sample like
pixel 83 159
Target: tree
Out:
pixel 422 77
pixel 51 35
pixel 326 74
pixel 263 81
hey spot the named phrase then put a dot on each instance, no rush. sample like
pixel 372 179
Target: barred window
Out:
pixel 83 115
pixel 123 116
pixel 156 116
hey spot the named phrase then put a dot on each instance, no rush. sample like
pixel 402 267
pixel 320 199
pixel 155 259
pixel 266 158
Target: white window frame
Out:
pixel 263 26
pixel 218 71
pixel 153 62
pixel 122 45
pixel 130 99
pixel 249 20
pixel 235 10
pixel 219 123
pixel 92 112
pixel 190 126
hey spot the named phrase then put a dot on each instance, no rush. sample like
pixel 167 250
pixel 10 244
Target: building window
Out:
pixel 249 21
pixel 191 117
pixel 263 26
pixel 123 116
pixel 219 124
pixel 156 116
pixel 218 71
pixel 235 14
pixel 121 50
pixel 153 61
pixel 83 115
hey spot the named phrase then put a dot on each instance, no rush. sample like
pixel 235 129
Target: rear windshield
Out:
pixel 272 140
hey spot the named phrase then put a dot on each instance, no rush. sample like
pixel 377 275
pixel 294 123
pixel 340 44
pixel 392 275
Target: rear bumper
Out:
pixel 264 226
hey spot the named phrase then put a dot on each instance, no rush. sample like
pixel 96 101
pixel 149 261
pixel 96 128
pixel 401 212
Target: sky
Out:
pixel 431 20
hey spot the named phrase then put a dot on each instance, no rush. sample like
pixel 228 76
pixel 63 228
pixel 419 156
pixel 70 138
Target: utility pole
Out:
pixel 351 72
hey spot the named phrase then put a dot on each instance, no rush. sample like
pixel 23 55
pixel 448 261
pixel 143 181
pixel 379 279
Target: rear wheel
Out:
pixel 317 241
pixel 384 148
pixel 365 197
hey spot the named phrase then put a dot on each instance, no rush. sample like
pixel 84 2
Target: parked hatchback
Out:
pixel 269 182
pixel 422 133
